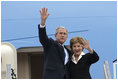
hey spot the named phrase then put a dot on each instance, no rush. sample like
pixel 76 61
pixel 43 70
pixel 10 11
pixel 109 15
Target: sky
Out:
pixel 93 20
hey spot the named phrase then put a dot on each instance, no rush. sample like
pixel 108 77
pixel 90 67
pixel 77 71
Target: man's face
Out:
pixel 61 35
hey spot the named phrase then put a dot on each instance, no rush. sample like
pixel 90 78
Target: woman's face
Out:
pixel 77 48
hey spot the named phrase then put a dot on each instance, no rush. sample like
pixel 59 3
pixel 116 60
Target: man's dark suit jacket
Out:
pixel 81 69
pixel 54 67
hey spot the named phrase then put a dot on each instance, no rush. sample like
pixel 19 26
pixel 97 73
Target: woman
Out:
pixel 81 62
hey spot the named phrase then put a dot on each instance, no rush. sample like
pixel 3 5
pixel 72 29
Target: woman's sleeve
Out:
pixel 92 57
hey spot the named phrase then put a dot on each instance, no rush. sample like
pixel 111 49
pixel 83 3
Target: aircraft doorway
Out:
pixel 36 66
pixel 30 62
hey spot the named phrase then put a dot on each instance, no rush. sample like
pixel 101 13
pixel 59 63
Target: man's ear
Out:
pixel 55 35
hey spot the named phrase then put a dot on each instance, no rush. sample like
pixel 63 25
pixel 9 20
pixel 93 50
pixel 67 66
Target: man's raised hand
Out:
pixel 44 16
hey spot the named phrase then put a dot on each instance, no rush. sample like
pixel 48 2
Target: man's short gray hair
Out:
pixel 56 31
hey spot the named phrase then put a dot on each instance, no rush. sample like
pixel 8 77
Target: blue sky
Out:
pixel 20 19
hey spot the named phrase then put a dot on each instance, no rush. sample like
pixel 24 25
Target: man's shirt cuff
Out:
pixel 42 26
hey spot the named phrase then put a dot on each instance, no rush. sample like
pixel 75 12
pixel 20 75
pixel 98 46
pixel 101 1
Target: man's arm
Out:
pixel 42 30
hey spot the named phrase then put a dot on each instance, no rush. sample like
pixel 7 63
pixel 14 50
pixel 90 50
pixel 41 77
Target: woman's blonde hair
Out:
pixel 76 40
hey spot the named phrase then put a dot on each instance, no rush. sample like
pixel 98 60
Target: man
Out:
pixel 56 55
